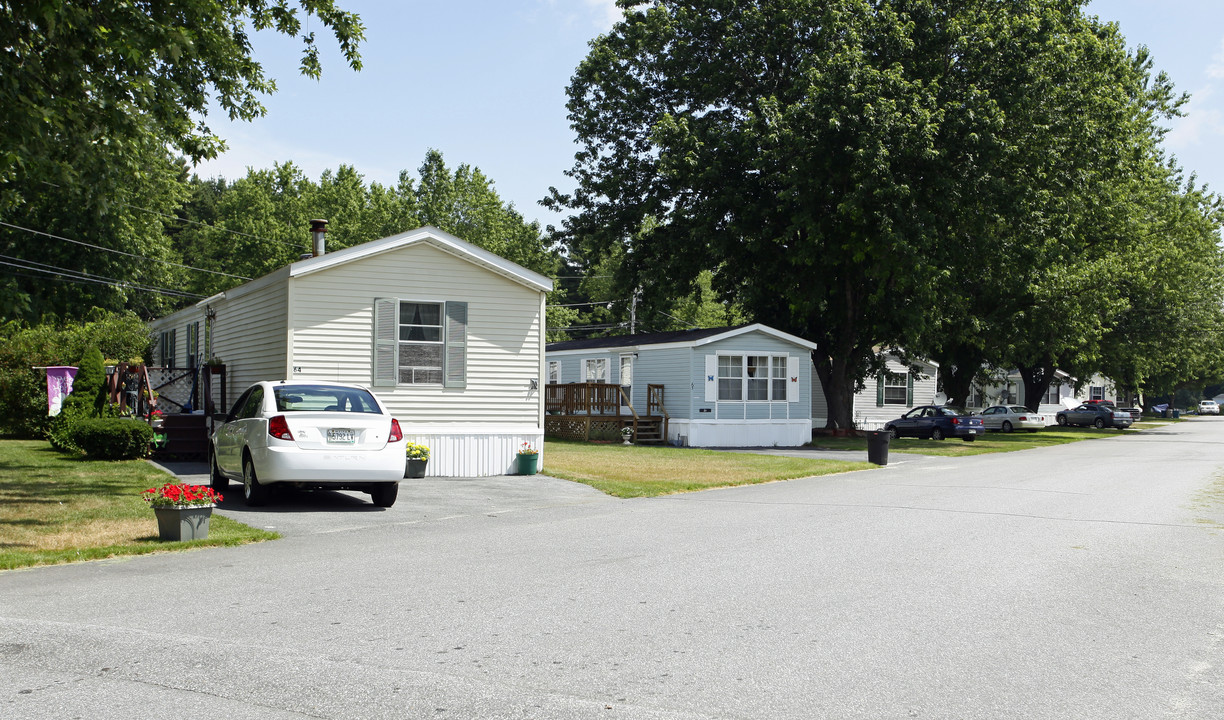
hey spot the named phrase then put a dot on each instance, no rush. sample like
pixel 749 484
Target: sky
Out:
pixel 483 81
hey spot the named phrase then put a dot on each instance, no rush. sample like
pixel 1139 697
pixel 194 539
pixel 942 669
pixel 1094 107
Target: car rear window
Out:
pixel 315 398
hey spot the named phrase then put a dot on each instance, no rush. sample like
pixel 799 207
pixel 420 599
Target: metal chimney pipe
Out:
pixel 318 233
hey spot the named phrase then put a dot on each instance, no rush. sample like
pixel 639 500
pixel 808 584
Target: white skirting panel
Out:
pixel 740 433
pixel 474 452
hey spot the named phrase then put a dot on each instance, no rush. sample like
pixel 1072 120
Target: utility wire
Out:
pixel 78 277
pixel 121 252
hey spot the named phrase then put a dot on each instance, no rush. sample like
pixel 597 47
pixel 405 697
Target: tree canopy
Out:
pixel 851 170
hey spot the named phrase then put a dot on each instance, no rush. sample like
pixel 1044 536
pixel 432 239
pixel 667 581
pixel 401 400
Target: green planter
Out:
pixel 528 464
pixel 179 523
pixel 415 468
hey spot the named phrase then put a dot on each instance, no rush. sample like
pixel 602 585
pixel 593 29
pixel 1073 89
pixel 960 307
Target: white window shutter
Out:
pixel 386 330
pixel 792 379
pixel 711 378
pixel 455 371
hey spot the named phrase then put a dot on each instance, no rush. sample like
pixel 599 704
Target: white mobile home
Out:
pixel 885 396
pixel 448 335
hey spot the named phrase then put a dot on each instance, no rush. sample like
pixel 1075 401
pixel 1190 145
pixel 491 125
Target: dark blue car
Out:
pixel 936 422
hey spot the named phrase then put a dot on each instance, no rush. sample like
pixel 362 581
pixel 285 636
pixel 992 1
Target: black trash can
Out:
pixel 877 446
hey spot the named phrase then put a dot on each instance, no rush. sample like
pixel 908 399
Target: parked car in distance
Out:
pixel 936 422
pixel 1098 415
pixel 1208 407
pixel 309 435
pixel 1012 417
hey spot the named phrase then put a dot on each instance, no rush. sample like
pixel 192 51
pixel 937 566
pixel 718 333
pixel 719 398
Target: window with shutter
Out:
pixel 386 340
pixel 456 344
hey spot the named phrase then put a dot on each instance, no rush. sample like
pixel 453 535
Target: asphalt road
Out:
pixel 1081 581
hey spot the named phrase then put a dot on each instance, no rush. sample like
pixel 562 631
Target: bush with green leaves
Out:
pixel 112 438
pixel 24 349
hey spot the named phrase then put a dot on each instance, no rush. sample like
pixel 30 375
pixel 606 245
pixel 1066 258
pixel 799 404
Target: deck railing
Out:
pixel 587 399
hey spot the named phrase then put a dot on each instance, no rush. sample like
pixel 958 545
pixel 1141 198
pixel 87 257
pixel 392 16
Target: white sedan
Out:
pixel 1012 417
pixel 309 435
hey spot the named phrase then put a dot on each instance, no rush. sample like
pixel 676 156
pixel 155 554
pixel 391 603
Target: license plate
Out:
pixel 341 435
pixel 973 431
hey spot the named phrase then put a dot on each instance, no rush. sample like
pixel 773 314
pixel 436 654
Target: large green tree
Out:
pixel 98 97
pixel 843 166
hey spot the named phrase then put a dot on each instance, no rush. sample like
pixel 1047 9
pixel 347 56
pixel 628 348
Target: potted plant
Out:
pixel 418 458
pixel 182 510
pixel 528 459
pixel 627 434
pixel 155 419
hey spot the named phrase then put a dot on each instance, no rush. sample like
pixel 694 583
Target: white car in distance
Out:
pixel 1012 417
pixel 309 435
pixel 1208 407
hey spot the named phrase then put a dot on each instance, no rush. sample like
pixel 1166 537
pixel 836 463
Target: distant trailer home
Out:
pixel 448 335
pixel 747 386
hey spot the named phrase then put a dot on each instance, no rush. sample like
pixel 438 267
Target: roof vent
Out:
pixel 318 234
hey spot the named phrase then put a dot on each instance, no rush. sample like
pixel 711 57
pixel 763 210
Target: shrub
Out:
pixel 112 438
pixel 23 390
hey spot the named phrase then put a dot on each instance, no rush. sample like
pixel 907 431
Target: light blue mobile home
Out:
pixel 747 386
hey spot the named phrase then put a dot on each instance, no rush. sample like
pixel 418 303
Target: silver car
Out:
pixel 1208 407
pixel 309 435
pixel 1012 417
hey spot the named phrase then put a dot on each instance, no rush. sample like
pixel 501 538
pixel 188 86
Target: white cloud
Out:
pixel 585 15
pixel 1216 69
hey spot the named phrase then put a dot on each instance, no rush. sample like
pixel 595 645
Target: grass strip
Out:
pixel 55 508
pixel 629 471
pixel 991 442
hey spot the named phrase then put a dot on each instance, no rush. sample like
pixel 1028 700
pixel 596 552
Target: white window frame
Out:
pixel 776 377
pixel 595 369
pixel 554 372
pixel 1096 392
pixel 895 383
pixel 1053 394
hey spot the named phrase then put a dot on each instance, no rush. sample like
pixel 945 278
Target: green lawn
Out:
pixel 991 442
pixel 56 509
pixel 646 471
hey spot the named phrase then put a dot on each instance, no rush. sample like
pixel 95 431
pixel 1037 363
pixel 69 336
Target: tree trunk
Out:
pixel 837 387
pixel 1037 379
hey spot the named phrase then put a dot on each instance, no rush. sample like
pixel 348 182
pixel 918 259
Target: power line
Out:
pixel 121 252
pixel 77 277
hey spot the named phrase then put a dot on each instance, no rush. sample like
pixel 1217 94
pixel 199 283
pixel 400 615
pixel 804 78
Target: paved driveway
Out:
pixel 292 512
pixel 1079 581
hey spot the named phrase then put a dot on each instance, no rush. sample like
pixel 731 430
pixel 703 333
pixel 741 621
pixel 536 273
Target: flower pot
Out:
pixel 415 468
pixel 182 522
pixel 527 464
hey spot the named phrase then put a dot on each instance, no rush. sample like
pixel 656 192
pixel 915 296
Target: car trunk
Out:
pixel 338 430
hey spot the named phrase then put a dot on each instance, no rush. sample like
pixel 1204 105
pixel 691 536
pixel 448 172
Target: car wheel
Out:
pixel 1007 426
pixel 384 494
pixel 1099 424
pixel 937 434
pixel 216 478
pixel 253 493
pixel 1062 420
pixel 892 432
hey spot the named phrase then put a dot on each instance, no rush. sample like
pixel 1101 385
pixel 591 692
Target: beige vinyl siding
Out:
pixel 332 327
pixel 251 335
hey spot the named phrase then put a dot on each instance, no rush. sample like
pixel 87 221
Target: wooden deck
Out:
pixel 599 411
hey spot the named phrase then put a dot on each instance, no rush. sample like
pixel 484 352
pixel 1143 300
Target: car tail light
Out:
pixel 278 427
pixel 1023 418
pixel 956 421
pixel 396 433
